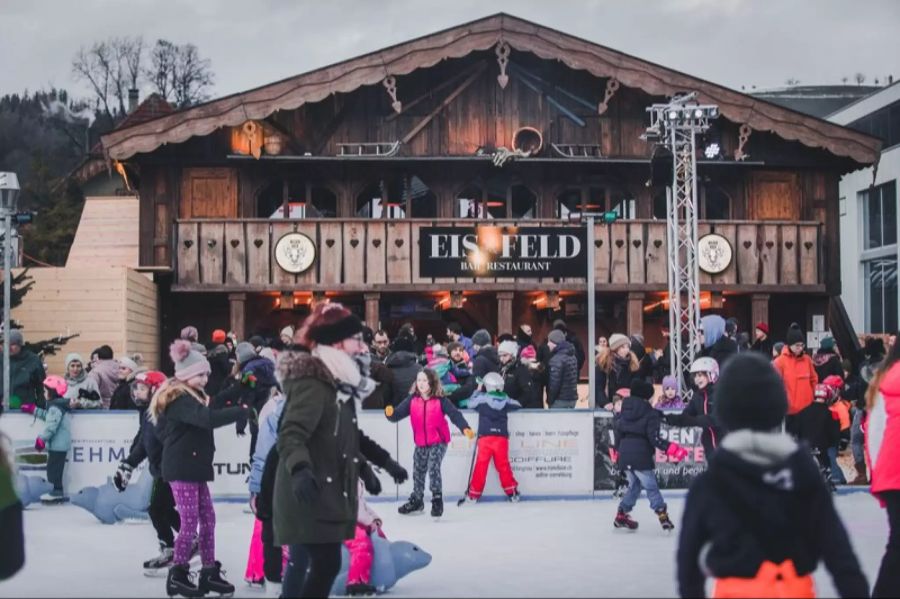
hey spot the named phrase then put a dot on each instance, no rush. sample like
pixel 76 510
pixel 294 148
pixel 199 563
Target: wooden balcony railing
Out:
pixel 370 255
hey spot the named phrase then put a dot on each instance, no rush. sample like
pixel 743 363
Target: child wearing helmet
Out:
pixel 818 427
pixel 493 407
pixel 147 445
pixel 699 411
pixel 57 435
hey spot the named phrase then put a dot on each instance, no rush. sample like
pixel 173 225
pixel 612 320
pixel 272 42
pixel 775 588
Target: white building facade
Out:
pixel 869 217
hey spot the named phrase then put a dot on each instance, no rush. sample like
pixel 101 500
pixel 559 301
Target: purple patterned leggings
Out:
pixel 194 505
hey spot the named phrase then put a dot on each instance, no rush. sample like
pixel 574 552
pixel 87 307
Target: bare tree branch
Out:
pixel 179 74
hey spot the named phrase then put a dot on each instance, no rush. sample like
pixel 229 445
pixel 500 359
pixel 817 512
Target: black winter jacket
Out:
pixel 620 375
pixel 699 412
pixel 146 446
pixel 854 391
pixel 816 425
pixel 722 349
pixel 826 364
pixel 186 430
pixel 637 434
pixel 486 360
pixel 562 382
pixel 740 513
pixel 220 368
pixel 405 366
pixel 121 397
pixel 264 371
pixel 519 384
pixel 580 356
pixel 493 413
pixel 763 346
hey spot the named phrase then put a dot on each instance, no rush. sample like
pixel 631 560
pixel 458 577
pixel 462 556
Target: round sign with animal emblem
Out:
pixel 714 253
pixel 295 252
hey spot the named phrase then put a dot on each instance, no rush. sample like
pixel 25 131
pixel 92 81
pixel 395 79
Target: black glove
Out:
pixel 397 472
pixel 91 395
pixel 304 485
pixel 122 476
pixel 241 424
pixel 370 479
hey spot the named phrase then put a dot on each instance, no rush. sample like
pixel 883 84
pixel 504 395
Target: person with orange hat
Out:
pixel 57 435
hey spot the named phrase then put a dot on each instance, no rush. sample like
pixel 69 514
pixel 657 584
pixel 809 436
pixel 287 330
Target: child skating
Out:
pixel 428 409
pixel 56 437
pixel 362 553
pixel 185 424
pixel 493 407
pixel 637 434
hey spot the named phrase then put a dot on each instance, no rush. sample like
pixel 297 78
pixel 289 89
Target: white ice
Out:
pixel 493 549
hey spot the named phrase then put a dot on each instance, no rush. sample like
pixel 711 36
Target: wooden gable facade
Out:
pixel 360 155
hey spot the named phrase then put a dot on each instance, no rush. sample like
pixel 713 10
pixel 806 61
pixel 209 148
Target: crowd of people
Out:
pixel 768 412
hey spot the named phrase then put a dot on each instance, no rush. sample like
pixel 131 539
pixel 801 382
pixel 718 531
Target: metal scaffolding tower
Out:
pixel 675 125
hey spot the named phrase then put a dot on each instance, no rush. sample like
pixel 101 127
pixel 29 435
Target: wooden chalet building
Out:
pixel 365 156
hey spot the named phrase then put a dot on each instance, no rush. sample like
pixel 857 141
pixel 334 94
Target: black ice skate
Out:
pixel 664 520
pixel 466 499
pixel 158 565
pixel 360 589
pixel 437 506
pixel 413 506
pixel 181 582
pixel 623 520
pixel 514 497
pixel 211 581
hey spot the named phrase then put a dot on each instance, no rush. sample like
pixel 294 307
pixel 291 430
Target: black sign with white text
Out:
pixel 502 251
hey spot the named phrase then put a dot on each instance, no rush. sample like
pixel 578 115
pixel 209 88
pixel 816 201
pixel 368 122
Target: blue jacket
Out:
pixel 268 435
pixel 466 342
pixel 58 433
pixel 637 433
pixel 264 371
pixel 493 413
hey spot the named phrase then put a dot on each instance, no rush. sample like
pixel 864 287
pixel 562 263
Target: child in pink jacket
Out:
pixel 362 553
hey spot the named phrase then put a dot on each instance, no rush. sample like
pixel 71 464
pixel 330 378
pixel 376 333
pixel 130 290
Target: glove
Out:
pixel 28 408
pixel 469 433
pixel 240 425
pixel 253 503
pixel 123 476
pixel 389 411
pixel 676 452
pixel 396 471
pixel 370 480
pixel 39 444
pixel 304 485
pixel 91 395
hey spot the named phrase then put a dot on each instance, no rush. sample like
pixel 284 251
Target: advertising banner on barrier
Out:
pixel 669 474
pixel 550 452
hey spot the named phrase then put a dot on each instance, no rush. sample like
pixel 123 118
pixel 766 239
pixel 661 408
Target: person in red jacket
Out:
pixel 798 373
pixel 882 430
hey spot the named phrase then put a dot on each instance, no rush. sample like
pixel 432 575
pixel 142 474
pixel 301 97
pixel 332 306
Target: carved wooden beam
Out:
pixel 390 84
pixel 438 88
pixel 452 96
pixel 743 136
pixel 502 50
pixel 612 86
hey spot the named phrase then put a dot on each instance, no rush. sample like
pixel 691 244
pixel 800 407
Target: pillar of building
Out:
pixel 634 313
pixel 716 300
pixel 759 310
pixel 505 312
pixel 317 298
pixel 237 305
pixel 372 320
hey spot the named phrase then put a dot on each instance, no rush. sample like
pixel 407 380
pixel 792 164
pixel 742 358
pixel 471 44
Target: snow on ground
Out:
pixel 492 549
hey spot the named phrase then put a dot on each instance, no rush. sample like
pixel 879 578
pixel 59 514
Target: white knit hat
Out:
pixel 617 340
pixel 508 347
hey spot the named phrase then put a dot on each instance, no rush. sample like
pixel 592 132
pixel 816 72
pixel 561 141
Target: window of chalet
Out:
pixel 397 197
pixel 303 200
pixel 595 198
pixel 497 198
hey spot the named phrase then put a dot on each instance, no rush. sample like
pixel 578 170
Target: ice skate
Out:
pixel 211 581
pixel 413 506
pixel 437 507
pixel 466 499
pixel 255 585
pixel 181 582
pixel 53 497
pixel 623 520
pixel 158 566
pixel 664 520
pixel 514 497
pixel 360 589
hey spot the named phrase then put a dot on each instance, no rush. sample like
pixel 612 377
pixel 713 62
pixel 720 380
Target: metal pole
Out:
pixel 592 316
pixel 7 292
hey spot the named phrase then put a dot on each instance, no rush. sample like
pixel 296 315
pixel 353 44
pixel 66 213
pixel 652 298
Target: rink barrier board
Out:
pixel 554 454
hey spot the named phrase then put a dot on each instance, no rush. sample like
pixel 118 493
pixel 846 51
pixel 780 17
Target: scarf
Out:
pixel 349 378
pixel 76 380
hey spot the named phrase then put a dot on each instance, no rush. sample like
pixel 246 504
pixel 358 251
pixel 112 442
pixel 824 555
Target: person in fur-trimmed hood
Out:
pixel 319 448
pixel 760 519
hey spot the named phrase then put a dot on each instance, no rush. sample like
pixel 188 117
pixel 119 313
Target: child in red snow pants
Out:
pixel 497 449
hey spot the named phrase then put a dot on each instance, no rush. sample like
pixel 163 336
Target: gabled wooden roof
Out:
pixel 462 40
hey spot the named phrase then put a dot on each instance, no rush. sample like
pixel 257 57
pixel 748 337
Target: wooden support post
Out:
pixel 505 312
pixel 372 320
pixel 759 309
pixel 237 304
pixel 317 298
pixel 634 314
pixel 716 301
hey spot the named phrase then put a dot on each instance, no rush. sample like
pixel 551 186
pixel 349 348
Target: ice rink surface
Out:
pixel 491 549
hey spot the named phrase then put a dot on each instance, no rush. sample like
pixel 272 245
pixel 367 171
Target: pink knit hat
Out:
pixel 188 362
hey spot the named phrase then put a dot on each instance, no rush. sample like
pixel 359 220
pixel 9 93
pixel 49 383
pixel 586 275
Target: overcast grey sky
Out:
pixel 251 43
